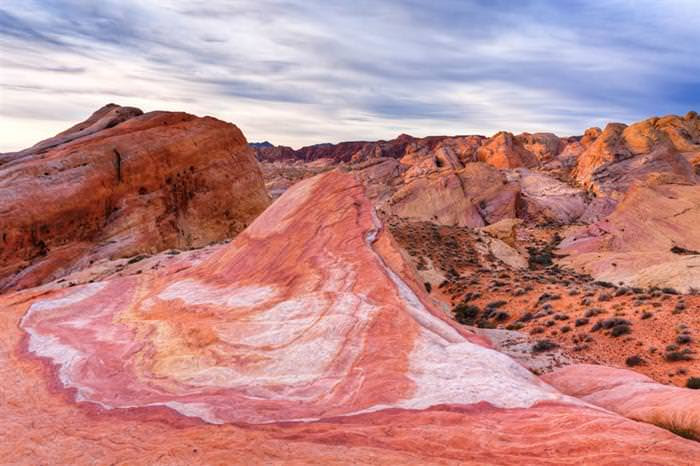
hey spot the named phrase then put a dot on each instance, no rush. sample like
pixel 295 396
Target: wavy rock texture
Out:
pixel 633 395
pixel 305 340
pixel 635 243
pixel 119 184
pixel 623 154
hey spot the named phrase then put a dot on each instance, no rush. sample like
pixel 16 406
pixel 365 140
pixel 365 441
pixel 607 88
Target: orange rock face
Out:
pixel 305 340
pixel 119 184
pixel 503 150
pixel 623 154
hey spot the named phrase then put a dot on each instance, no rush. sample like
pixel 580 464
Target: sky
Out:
pixel 299 72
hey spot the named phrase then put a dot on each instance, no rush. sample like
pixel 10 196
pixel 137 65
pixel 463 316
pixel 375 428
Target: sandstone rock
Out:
pixel 545 146
pixel 623 154
pixel 115 186
pixel 684 132
pixel 544 198
pixel 108 116
pixel 279 348
pixel 460 147
pixel 505 230
pixel 267 152
pixel 635 243
pixel 502 251
pixel 473 196
pixel 631 394
pixel 503 150
pixel 590 136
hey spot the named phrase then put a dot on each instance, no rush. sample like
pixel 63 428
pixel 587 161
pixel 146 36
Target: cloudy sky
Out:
pixel 300 72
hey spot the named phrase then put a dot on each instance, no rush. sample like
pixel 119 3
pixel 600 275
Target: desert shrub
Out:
pixel 674 356
pixel 542 258
pixel 136 259
pixel 581 321
pixel 677 428
pixel 544 345
pixel 466 313
pixel 633 361
pixel 593 312
pixel 646 315
pixel 693 382
pixel 684 339
pixel 537 330
pixel 496 304
pixel 604 284
pixel 483 323
pixel 614 322
pixel 565 329
pixel 428 287
pixel 620 330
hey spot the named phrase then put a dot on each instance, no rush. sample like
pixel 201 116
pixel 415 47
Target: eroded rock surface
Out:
pixel 307 339
pixel 123 183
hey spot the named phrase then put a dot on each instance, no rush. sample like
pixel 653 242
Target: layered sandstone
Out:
pixel 650 239
pixel 633 395
pixel 623 154
pixel 503 150
pixel 307 339
pixel 123 183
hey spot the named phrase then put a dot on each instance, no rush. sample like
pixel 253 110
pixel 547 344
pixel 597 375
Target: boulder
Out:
pixel 120 184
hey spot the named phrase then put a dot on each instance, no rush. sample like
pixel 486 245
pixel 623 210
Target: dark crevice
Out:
pixel 118 165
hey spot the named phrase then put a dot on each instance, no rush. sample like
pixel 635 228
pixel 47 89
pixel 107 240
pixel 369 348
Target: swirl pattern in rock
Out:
pixel 305 340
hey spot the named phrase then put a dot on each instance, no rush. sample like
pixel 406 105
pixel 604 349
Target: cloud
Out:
pixel 298 72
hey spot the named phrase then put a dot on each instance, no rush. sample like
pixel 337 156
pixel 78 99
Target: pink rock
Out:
pixel 307 339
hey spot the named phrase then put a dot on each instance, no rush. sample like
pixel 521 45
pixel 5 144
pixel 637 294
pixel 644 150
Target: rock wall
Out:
pixel 122 183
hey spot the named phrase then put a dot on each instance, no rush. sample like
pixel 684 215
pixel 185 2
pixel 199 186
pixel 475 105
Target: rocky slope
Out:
pixel 606 222
pixel 639 179
pixel 119 184
pixel 307 339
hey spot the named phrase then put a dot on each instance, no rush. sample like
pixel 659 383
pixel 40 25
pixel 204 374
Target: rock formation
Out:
pixel 642 242
pixel 503 150
pixel 306 339
pixel 632 395
pixel 119 184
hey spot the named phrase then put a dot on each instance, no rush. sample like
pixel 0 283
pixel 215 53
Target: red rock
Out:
pixel 306 339
pixel 624 154
pixel 475 195
pixel 361 151
pixel 503 150
pixel 120 184
pixel 545 146
pixel 544 198
pixel 631 394
pixel 108 116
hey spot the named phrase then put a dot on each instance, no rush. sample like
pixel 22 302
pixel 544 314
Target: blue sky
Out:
pixel 299 72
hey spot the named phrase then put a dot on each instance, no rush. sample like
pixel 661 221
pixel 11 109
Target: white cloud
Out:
pixel 301 72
